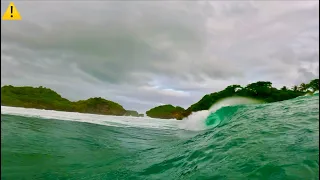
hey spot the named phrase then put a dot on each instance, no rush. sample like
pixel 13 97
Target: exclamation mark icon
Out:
pixel 11 14
pixel 11 11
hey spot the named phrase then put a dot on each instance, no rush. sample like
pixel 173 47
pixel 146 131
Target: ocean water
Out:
pixel 253 141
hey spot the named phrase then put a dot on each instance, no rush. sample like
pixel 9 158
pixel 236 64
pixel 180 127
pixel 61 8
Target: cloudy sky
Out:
pixel 146 53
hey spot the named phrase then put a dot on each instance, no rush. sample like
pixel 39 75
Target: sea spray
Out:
pixel 205 119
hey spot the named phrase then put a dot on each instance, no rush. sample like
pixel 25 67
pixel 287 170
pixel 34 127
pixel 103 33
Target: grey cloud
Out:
pixel 142 54
pixel 306 75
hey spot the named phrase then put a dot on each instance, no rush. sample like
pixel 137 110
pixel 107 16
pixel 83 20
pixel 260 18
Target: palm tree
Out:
pixel 303 87
pixel 295 88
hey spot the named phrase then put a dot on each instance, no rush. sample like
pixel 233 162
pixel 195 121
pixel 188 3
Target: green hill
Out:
pixel 44 98
pixel 98 105
pixel 261 90
pixel 30 97
pixel 166 112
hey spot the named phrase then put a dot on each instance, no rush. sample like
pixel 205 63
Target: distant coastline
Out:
pixel 45 98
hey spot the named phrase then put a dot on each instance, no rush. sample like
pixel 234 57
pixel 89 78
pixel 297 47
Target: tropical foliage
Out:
pixel 166 112
pixel 261 90
pixel 44 98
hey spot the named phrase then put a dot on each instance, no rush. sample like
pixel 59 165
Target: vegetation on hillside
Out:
pixel 98 105
pixel 166 112
pixel 261 90
pixel 45 98
pixel 29 97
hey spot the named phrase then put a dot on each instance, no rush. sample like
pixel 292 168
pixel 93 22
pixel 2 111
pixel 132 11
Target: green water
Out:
pixel 266 141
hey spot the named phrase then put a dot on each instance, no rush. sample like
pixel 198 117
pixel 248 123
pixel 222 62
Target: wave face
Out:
pixel 211 118
pixel 233 140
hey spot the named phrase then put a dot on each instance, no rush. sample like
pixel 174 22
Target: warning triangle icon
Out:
pixel 11 13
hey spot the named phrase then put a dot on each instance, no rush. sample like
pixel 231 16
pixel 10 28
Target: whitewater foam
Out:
pixel 118 121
